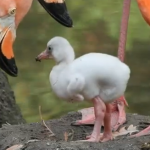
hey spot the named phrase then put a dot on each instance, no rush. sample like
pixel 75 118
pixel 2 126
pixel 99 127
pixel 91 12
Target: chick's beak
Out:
pixel 58 10
pixel 7 60
pixel 44 55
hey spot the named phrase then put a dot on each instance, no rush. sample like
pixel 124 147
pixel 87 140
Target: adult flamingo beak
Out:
pixel 58 10
pixel 7 36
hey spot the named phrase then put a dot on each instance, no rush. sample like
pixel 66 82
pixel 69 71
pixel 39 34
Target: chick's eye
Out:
pixel 49 48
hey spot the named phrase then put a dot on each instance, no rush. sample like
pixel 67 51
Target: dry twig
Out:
pixel 66 136
pixel 51 132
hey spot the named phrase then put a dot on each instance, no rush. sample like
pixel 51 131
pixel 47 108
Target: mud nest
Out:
pixel 35 136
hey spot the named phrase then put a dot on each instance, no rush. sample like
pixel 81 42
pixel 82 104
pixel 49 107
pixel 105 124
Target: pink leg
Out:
pixel 118 115
pixel 88 117
pixel 87 121
pixel 99 110
pixel 107 135
pixel 143 132
pixel 121 102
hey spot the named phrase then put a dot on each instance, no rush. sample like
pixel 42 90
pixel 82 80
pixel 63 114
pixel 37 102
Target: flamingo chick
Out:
pixel 11 14
pixel 98 77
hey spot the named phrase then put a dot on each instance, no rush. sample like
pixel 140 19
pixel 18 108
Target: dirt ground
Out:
pixel 35 136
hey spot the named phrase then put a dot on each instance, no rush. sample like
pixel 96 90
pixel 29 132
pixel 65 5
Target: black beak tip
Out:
pixel 8 65
pixel 58 11
pixel 37 59
pixel 12 72
pixel 15 72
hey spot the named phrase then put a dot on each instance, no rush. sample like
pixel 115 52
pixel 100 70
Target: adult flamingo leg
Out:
pixel 99 111
pixel 121 102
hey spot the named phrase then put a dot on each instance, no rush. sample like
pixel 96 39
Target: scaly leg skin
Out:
pixel 142 133
pixel 107 135
pixel 99 110
pixel 88 117
pixel 121 103
pixel 118 115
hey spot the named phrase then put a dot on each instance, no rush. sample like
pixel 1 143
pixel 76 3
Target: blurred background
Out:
pixel 96 28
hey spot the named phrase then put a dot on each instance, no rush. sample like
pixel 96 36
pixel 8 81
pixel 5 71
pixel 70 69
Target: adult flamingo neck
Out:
pixel 23 6
pixel 123 29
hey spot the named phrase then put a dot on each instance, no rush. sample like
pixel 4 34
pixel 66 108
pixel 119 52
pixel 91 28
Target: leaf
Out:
pixel 131 129
pixel 15 147
pixel 19 146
